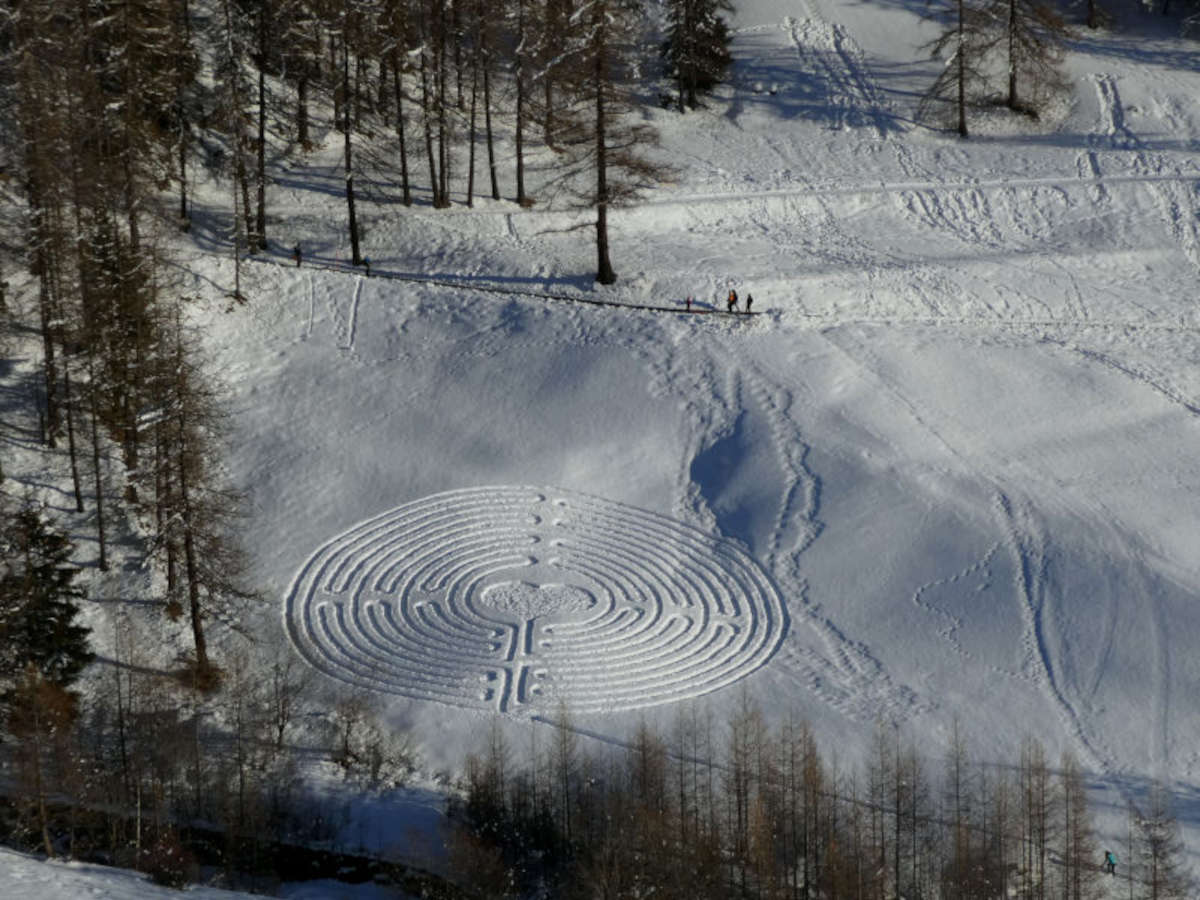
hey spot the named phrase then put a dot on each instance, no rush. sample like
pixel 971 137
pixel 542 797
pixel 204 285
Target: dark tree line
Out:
pixel 418 92
pixel 100 95
pixel 735 809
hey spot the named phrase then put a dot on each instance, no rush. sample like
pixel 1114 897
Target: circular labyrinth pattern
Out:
pixel 513 598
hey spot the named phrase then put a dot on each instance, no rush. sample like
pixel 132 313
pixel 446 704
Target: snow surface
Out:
pixel 949 472
pixel 957 448
pixel 24 877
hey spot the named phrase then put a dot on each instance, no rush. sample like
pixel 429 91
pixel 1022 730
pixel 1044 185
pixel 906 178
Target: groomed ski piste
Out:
pixel 949 471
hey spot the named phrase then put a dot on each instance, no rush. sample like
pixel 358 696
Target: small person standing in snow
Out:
pixel 296 255
pixel 731 301
pixel 749 300
pixel 367 264
pixel 688 302
pixel 1110 863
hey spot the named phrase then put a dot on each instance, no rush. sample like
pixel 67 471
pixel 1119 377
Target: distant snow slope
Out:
pixel 24 877
pixel 959 447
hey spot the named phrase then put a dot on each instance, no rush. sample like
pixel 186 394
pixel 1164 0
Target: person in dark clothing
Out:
pixel 367 264
pixel 296 255
pixel 749 300
pixel 688 303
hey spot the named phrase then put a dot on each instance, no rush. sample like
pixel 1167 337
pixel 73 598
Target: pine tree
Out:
pixel 38 603
pixel 697 47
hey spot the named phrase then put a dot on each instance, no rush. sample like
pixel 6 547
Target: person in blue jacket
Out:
pixel 1110 862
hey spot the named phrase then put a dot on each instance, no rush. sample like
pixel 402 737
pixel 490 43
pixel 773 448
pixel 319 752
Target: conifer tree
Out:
pixel 697 47
pixel 38 603
pixel 606 147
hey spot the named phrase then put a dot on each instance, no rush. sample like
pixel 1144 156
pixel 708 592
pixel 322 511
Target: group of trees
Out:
pixel 122 772
pixel 737 809
pixel 1018 43
pixel 107 105
pixel 92 89
pixel 1007 53
pixel 407 84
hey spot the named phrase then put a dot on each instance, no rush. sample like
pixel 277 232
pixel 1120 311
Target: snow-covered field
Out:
pixel 950 471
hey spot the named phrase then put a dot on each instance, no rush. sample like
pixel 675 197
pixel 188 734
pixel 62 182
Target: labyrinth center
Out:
pixel 513 598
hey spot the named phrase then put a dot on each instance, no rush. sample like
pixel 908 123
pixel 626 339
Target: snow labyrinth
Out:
pixel 512 598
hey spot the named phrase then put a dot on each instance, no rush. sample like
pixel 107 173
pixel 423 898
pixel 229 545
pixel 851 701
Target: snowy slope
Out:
pixel 26 878
pixel 949 472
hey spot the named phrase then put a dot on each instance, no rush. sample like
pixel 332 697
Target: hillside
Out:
pixel 956 441
pixel 947 473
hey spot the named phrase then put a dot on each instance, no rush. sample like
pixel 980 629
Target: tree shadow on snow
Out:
pixel 841 91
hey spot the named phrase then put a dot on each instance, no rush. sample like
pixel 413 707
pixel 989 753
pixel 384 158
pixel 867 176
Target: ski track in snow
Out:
pixel 845 674
pixel 849 88
pixel 352 326
pixel 1031 549
pixel 1175 194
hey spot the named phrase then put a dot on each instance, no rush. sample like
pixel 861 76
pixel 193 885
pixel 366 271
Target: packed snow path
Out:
pixel 683 308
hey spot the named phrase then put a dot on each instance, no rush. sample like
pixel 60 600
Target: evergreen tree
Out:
pixel 38 597
pixel 697 46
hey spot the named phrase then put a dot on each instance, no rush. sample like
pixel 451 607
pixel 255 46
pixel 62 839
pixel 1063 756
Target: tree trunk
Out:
pixel 243 183
pixel 487 123
pixel 962 69
pixel 68 401
pixel 604 269
pixel 355 255
pixel 48 366
pixel 471 129
pixel 443 109
pixel 260 218
pixel 520 110
pixel 39 787
pixel 397 87
pixel 190 568
pixel 426 113
pixel 302 110
pixel 96 473
pixel 183 151
pixel 1012 54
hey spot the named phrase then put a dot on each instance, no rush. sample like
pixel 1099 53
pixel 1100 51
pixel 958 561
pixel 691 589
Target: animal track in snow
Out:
pixel 513 598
